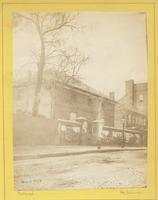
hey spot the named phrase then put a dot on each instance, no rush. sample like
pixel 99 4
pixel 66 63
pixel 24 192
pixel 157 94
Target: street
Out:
pixel 102 170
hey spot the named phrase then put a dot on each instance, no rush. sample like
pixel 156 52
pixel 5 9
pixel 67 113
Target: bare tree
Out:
pixel 48 27
pixel 67 71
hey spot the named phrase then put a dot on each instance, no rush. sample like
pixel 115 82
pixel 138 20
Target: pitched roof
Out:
pixel 75 83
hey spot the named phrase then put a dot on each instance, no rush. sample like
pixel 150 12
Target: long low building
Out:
pixel 71 102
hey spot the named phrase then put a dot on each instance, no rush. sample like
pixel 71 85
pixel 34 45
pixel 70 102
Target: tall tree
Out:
pixel 49 27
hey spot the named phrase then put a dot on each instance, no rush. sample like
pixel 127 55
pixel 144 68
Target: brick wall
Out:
pixel 29 130
pixel 140 97
pixel 133 105
pixel 136 96
pixel 133 119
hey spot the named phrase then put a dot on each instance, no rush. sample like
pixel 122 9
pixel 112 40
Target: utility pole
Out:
pixel 123 131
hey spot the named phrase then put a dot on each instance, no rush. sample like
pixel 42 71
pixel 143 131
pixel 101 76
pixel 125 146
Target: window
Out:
pixel 73 116
pixel 129 118
pixel 136 120
pixel 73 97
pixel 89 101
pixel 140 98
pixel 144 122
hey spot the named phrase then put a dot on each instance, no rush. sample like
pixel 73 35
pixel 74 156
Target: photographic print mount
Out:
pixel 96 132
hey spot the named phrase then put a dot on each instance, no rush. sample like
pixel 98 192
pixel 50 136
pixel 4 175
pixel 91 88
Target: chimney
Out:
pixel 112 95
pixel 130 92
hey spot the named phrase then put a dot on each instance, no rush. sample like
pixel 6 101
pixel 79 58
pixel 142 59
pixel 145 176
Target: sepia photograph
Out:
pixel 80 95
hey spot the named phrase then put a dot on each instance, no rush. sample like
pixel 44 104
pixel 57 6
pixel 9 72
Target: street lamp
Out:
pixel 123 130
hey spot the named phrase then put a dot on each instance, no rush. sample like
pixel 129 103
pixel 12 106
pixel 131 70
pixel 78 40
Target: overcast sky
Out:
pixel 114 42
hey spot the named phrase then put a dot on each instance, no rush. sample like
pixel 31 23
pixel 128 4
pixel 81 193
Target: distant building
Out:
pixel 135 96
pixel 132 106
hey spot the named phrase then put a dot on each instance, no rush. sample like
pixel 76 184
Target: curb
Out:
pixel 27 157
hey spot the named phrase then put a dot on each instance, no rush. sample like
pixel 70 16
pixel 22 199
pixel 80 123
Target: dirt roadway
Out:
pixel 105 170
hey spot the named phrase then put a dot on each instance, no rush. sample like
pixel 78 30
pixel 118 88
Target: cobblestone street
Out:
pixel 101 170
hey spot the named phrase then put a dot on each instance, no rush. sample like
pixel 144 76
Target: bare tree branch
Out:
pixel 66 65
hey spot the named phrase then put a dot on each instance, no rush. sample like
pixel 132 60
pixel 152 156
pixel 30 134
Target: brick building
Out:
pixel 132 106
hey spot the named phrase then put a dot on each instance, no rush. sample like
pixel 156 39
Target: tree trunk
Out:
pixel 56 131
pixel 37 93
pixel 53 101
pixel 40 69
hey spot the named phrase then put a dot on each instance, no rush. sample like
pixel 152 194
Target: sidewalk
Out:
pixel 35 152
